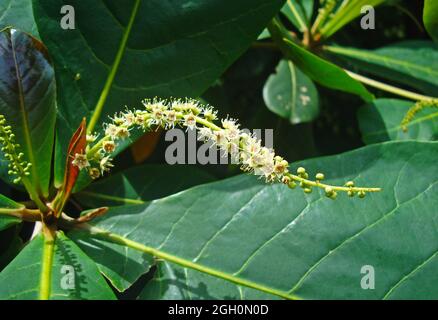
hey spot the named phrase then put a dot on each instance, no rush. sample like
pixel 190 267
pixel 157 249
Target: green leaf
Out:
pixel 5 220
pixel 299 12
pixel 291 94
pixel 171 282
pixel 142 183
pixel 430 18
pixel 186 47
pixel 20 279
pixel 414 63
pixel 318 69
pixel 27 100
pixel 381 121
pixel 18 14
pixel 288 243
pixel 346 14
pixel 135 185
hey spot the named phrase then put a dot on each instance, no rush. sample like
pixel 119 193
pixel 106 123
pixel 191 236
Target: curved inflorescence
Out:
pixel 188 113
pixel 413 111
pixel 16 165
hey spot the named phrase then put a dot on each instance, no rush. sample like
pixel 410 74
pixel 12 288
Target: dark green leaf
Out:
pixel 20 279
pixel 27 100
pixel 185 47
pixel 318 69
pixel 291 94
pixel 306 245
pixel 414 63
pixel 381 121
pixel 430 18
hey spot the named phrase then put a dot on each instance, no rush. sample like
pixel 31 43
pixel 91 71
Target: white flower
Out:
pixel 171 118
pixel 129 118
pixel 80 161
pixel 91 138
pixel 190 121
pixel 105 164
pixel 109 146
pixel 111 130
pixel 122 133
pixel 205 134
pixel 209 113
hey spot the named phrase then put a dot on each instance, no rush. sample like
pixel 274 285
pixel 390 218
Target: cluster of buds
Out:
pixel 17 166
pixel 412 112
pixel 191 114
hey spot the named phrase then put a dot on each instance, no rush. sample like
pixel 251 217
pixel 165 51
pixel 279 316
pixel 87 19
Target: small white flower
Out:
pixel 209 113
pixel 129 118
pixel 105 164
pixel 171 118
pixel 109 146
pixel 190 121
pixel 122 133
pixel 205 134
pixel 80 161
pixel 91 138
pixel 111 130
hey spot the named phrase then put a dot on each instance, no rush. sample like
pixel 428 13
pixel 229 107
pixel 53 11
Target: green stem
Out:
pixel 335 188
pixel 109 81
pixel 388 88
pixel 47 263
pixel 111 237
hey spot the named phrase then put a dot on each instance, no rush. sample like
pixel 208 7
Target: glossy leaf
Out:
pixel 27 100
pixel 291 243
pixel 316 68
pixel 5 220
pixel 291 94
pixel 143 183
pixel 430 18
pixel 414 63
pixel 381 121
pixel 20 279
pixel 18 14
pixel 186 47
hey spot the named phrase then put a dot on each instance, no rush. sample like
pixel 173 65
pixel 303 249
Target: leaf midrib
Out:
pixel 25 121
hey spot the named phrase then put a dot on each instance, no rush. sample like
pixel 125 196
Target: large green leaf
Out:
pixel 18 14
pixel 133 186
pixel 318 69
pixel 20 279
pixel 289 243
pixel 27 100
pixel 381 121
pixel 414 63
pixel 291 94
pixel 172 49
pixel 430 18
pixel 143 183
pixel 5 220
